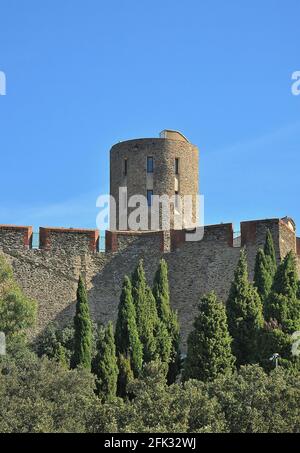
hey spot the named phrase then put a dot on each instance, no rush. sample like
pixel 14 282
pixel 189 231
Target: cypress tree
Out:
pixel 265 269
pixel 146 313
pixel 83 330
pixel 168 317
pixel 125 376
pixel 105 365
pixel 244 312
pixel 163 343
pixel 209 344
pixel 263 280
pixel 127 338
pixel 269 252
pixel 175 361
pixel 283 302
pixel 161 292
pixel 60 355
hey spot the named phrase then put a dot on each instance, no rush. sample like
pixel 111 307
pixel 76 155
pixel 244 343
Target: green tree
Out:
pixel 244 313
pixel 283 303
pixel 82 330
pixel 255 402
pixel 274 340
pixel 105 365
pixel 263 280
pixel 56 343
pixel 265 270
pixel 209 344
pixel 17 312
pixel 127 338
pixel 160 408
pixel 125 377
pixel 38 395
pixel 163 343
pixel 161 292
pixel 270 255
pixel 169 319
pixel 146 312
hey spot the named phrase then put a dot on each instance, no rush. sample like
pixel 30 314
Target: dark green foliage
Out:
pixel 274 340
pixel 40 396
pixel 161 292
pixel 6 273
pixel 169 319
pixel 270 255
pixel 255 402
pixel 56 343
pixel 175 357
pixel 244 312
pixel 286 278
pixel 283 303
pixel 163 342
pixel 17 312
pixel 209 344
pixel 125 377
pixel 83 330
pixel 146 313
pixel 105 365
pixel 156 407
pixel 263 280
pixel 265 270
pixel 127 338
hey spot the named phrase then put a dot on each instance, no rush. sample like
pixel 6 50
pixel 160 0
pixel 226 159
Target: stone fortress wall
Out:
pixel 50 273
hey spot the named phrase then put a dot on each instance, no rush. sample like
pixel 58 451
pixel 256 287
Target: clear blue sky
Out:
pixel 82 75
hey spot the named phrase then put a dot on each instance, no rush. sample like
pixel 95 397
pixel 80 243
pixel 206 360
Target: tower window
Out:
pixel 177 199
pixel 150 165
pixel 176 166
pixel 125 167
pixel 149 197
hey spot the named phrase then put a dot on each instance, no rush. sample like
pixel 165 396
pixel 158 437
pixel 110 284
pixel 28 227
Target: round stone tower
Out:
pixel 165 166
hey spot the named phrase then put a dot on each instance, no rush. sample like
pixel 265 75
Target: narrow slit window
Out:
pixel 125 167
pixel 176 199
pixel 176 166
pixel 149 197
pixel 150 165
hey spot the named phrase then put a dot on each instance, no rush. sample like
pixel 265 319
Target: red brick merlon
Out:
pixel 15 237
pixel 222 234
pixel 113 239
pixel 69 239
